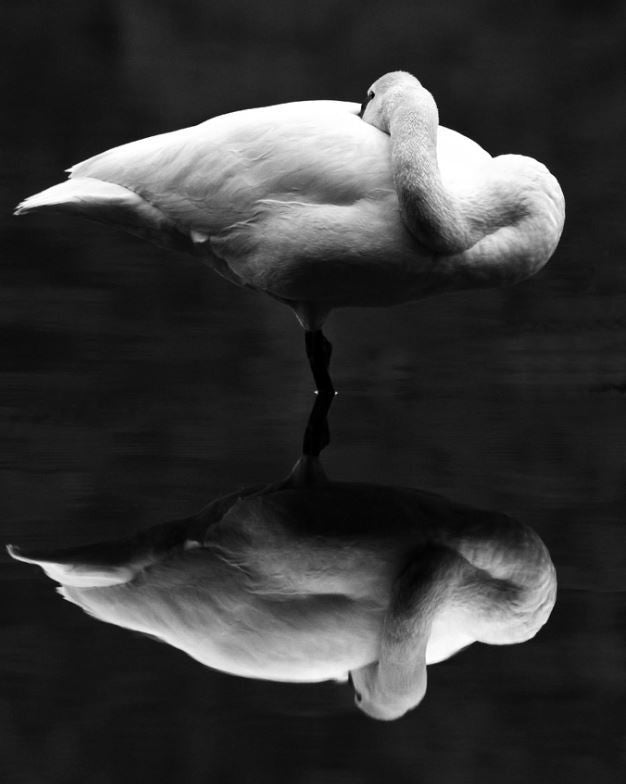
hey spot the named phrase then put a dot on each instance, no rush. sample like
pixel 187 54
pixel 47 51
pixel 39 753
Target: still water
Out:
pixel 138 386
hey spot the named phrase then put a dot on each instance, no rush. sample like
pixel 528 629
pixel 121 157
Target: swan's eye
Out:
pixel 368 98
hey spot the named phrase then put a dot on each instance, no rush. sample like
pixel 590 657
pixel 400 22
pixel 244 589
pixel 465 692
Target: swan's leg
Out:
pixel 317 434
pixel 318 351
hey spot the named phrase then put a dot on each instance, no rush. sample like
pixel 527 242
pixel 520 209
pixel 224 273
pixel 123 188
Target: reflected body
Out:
pixel 319 208
pixel 308 580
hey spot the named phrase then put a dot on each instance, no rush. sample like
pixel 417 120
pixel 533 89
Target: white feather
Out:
pixel 299 201
pixel 294 582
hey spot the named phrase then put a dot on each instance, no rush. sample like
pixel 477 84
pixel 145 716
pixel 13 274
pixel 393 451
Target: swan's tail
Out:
pixel 77 566
pixel 85 196
pixel 109 203
pixel 114 562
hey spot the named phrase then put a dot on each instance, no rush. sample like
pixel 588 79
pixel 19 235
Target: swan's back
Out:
pixel 318 151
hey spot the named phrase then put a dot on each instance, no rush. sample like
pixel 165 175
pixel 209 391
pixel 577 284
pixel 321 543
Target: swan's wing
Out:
pixel 270 192
pixel 318 152
pixel 214 174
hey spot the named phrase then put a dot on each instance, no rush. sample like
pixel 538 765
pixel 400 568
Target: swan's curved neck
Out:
pixel 505 232
pixel 430 213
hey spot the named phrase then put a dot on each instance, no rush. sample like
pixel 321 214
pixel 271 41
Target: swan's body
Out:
pixel 313 205
pixel 295 200
pixel 309 580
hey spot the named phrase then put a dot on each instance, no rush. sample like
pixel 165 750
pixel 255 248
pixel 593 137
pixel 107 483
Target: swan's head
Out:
pixel 383 96
pixel 384 697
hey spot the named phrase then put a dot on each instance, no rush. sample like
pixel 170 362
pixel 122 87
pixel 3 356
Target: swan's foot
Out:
pixel 318 351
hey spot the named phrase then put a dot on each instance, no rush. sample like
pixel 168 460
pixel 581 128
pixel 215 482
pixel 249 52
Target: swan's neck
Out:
pixel 431 213
pixel 505 232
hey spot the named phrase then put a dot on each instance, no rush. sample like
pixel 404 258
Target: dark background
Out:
pixel 136 386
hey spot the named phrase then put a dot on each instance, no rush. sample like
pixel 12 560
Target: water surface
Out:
pixel 136 386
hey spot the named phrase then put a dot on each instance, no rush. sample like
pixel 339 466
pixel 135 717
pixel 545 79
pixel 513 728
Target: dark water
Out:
pixel 136 386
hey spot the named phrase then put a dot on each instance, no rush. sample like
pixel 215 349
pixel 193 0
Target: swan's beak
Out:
pixel 368 98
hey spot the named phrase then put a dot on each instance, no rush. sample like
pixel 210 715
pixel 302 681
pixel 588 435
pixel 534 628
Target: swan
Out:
pixel 307 580
pixel 322 204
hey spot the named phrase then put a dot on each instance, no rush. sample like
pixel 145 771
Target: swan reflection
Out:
pixel 309 579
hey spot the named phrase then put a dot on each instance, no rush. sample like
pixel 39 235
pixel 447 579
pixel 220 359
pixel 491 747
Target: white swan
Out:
pixel 308 580
pixel 320 209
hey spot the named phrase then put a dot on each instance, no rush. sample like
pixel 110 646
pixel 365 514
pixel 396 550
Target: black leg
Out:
pixel 317 434
pixel 318 350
